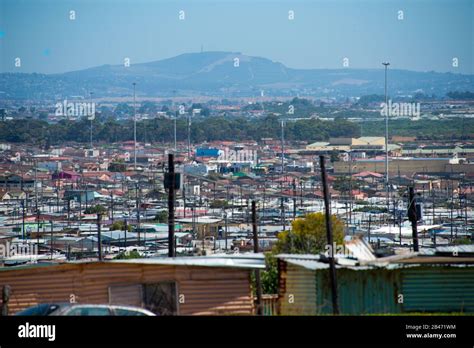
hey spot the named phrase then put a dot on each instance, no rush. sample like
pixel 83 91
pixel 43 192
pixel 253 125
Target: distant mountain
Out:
pixel 225 74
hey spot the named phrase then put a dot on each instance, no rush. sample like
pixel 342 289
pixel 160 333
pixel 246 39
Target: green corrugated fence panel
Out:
pixel 360 292
pixel 378 291
pixel 437 289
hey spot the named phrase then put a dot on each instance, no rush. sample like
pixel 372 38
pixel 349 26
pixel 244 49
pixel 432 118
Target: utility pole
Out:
pixel 282 147
pixel 57 200
pixel 189 136
pixel 68 210
pixel 23 218
pixel 368 231
pixel 51 222
pixel 412 216
pixel 387 188
pixel 214 191
pixel 294 199
pixel 350 188
pixel 175 147
pixel 183 192
pixel 225 231
pixel 99 237
pixel 256 250
pixel 91 117
pixel 282 208
pixel 37 226
pixel 125 228
pixel 112 207
pixel 332 266
pixel 302 183
pixel 282 171
pixel 137 207
pixel 254 228
pixel 400 227
pixel 134 128
pixel 36 185
pixel 171 199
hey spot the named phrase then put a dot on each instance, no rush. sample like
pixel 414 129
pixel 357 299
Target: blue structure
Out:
pixel 207 152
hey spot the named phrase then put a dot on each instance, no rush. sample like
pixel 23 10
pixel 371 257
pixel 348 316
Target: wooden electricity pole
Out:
pixel 99 237
pixel 256 250
pixel 171 198
pixel 413 217
pixel 332 266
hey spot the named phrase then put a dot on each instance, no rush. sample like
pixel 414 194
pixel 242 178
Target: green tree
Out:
pixel 128 255
pixel 118 166
pixel 162 217
pixel 269 276
pixel 308 235
pixel 334 156
pixel 119 225
pixel 343 184
pixel 96 209
pixel 219 203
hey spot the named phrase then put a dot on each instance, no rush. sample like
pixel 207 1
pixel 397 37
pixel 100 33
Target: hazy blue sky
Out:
pixel 323 32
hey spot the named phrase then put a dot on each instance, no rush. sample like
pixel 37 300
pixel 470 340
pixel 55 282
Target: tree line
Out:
pixel 110 130
pixel 215 128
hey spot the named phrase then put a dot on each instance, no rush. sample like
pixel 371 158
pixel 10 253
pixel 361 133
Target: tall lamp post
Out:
pixel 134 129
pixel 175 117
pixel 91 117
pixel 282 147
pixel 387 188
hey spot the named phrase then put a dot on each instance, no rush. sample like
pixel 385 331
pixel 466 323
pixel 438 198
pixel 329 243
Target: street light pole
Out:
pixel 282 147
pixel 387 188
pixel 134 128
pixel 91 117
pixel 189 137
pixel 175 147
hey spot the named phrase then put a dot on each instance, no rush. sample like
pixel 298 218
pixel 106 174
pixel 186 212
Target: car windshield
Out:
pixel 128 312
pixel 86 311
pixel 39 310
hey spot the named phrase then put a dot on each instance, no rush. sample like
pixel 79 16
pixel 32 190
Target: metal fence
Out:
pixel 269 304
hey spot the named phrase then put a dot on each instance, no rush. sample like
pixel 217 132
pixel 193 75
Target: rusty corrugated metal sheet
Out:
pixel 299 295
pixel 206 290
pixel 201 298
pixel 32 286
pixel 126 295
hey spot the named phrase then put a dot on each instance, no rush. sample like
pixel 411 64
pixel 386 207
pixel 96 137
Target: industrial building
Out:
pixel 404 166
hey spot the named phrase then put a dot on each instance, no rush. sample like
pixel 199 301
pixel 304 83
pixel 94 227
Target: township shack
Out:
pixel 433 283
pixel 213 285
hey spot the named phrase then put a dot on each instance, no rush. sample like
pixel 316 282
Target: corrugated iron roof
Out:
pixel 256 262
pixel 314 262
pixel 249 261
pixel 360 249
pixel 456 249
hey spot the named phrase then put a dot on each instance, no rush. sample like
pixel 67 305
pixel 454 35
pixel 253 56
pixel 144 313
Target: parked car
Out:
pixel 76 309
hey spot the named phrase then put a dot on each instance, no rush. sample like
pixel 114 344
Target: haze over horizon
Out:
pixel 320 36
